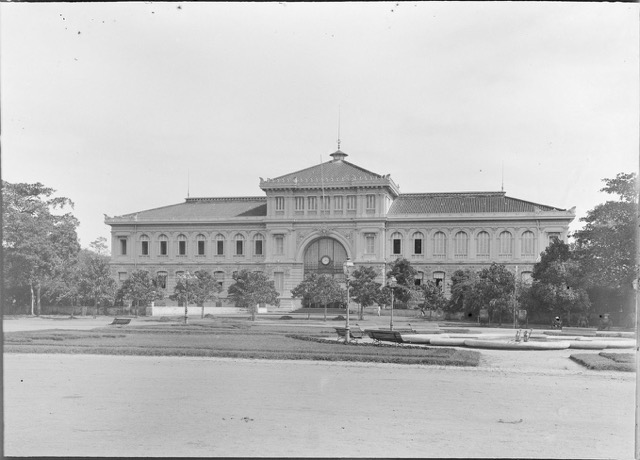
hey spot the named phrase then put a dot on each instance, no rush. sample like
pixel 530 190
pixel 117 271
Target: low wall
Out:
pixel 193 311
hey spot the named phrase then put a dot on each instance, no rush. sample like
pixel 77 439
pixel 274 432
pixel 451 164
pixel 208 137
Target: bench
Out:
pixel 586 331
pixel 120 321
pixel 386 336
pixel 354 333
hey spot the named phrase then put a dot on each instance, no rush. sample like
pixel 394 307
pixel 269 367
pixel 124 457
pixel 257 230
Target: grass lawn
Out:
pixel 606 361
pixel 230 339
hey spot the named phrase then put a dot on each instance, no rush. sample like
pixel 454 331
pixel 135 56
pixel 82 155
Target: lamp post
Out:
pixel 347 266
pixel 392 282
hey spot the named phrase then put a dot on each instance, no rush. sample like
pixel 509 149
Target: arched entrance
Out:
pixel 325 256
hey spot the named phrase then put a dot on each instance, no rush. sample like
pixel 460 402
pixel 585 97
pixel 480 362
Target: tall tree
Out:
pixel 140 289
pixel 39 238
pixel 405 275
pixel 252 288
pixel 200 288
pixel 320 289
pixel 606 245
pixel 364 289
pixel 559 284
pixel 463 294
pixel 432 297
pixel 495 288
pixel 96 285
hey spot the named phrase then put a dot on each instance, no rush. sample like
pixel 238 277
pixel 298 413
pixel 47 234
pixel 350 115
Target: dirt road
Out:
pixel 79 405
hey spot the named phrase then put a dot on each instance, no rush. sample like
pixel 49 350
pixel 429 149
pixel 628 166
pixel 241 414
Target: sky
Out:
pixel 124 107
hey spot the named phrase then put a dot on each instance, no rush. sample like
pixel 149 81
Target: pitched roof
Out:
pixel 195 209
pixel 334 173
pixel 463 203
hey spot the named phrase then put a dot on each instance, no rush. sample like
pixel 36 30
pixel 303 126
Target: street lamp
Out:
pixel 392 282
pixel 347 267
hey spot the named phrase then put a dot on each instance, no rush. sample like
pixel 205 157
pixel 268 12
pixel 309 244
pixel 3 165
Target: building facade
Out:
pixel 314 219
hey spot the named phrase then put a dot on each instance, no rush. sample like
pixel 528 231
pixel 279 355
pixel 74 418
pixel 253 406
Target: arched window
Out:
pixel 258 245
pixel 219 244
pixel 483 245
pixel 163 245
pixel 438 278
pixel 439 245
pixel 182 245
pixel 396 243
pixel 219 277
pixel 417 243
pixel 528 244
pixel 239 244
pixel 461 245
pixel 201 243
pixel 161 280
pixel 505 244
pixel 144 245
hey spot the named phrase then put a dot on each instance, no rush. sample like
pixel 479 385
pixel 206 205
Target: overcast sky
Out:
pixel 116 105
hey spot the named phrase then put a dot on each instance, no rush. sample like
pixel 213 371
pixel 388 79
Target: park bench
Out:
pixel 354 333
pixel 121 321
pixel 386 336
pixel 586 331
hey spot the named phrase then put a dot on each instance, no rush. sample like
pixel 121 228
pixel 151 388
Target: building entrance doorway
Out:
pixel 324 256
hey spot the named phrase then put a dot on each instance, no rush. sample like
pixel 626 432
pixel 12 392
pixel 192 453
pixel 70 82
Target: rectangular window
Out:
pixel 219 248
pixel 123 246
pixel 182 248
pixel 239 247
pixel 371 202
pixel 145 248
pixel 299 203
pixel 397 246
pixel 313 203
pixel 122 276
pixel 279 244
pixel 279 203
pixel 326 203
pixel 278 278
pixel 337 203
pixel 163 248
pixel 418 279
pixel 438 278
pixel 370 243
pixel 351 203
pixel 200 248
pixel 417 246
pixel 258 247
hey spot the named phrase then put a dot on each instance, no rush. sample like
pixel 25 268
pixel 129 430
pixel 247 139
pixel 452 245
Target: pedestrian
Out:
pixel 378 310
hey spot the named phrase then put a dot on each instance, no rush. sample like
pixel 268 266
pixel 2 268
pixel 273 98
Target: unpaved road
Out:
pixel 81 405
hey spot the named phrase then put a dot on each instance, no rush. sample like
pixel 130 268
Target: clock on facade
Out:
pixel 325 260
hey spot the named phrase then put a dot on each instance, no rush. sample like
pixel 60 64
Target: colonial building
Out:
pixel 314 219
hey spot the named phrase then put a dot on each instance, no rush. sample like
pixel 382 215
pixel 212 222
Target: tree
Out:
pixel 140 289
pixel 200 288
pixel 405 275
pixel 495 289
pixel 606 246
pixel 252 288
pixel 94 280
pixel 433 298
pixel 322 289
pixel 558 282
pixel 39 238
pixel 463 296
pixel 364 289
